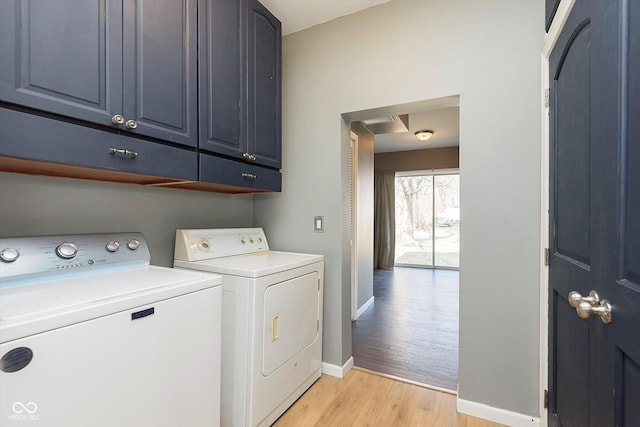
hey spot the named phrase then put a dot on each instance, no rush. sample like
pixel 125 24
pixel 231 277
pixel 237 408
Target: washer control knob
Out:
pixel 251 241
pixel 259 239
pixel 243 241
pixel 67 250
pixel 9 254
pixel 113 246
pixel 133 244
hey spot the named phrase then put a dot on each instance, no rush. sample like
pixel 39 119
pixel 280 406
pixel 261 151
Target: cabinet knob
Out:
pixel 117 119
pixel 131 124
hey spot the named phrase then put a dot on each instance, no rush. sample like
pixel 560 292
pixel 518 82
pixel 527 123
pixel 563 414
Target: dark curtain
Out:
pixel 384 220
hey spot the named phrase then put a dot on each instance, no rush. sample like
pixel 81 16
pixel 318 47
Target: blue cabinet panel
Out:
pixel 63 57
pixel 239 174
pixel 28 136
pixel 264 123
pixel 220 78
pixel 160 69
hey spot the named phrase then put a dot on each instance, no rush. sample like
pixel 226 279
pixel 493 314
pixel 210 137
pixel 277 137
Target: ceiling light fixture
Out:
pixel 423 135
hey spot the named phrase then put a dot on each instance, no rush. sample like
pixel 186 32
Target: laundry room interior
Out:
pixel 219 135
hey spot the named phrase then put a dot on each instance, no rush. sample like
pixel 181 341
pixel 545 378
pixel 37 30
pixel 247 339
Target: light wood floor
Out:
pixel 365 399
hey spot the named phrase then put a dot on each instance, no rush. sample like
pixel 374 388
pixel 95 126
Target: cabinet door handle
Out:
pixel 124 152
pixel 249 157
pixel 117 119
pixel 131 124
pixel 249 176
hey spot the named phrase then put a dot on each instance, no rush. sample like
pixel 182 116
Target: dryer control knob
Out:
pixel 9 254
pixel 113 246
pixel 204 245
pixel 67 250
pixel 133 244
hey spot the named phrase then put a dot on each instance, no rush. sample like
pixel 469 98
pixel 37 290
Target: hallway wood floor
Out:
pixel 365 399
pixel 411 331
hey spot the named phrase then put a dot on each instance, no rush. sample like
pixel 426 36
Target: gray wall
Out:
pixel 364 223
pixel 39 205
pixel 488 52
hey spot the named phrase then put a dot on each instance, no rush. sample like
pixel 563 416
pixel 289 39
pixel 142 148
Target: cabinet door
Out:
pixel 241 175
pixel 264 46
pixel 220 77
pixel 160 75
pixel 62 56
pixel 66 144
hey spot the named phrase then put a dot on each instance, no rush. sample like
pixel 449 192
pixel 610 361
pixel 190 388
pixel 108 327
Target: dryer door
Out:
pixel 291 319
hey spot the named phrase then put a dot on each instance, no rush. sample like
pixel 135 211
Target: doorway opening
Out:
pixel 405 319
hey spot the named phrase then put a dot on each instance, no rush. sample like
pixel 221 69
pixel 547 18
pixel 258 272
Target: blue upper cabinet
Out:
pixel 264 124
pixel 180 89
pixel 126 64
pixel 63 57
pixel 240 81
pixel 160 69
pixel 220 77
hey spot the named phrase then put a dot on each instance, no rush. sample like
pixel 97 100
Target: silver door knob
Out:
pixel 575 298
pixel 131 124
pixel 117 119
pixel 602 309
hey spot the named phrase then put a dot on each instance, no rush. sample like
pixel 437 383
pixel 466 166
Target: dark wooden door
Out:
pixel 160 69
pixel 62 56
pixel 594 368
pixel 264 46
pixel 550 8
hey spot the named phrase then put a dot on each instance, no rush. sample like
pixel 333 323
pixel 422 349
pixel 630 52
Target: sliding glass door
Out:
pixel 427 220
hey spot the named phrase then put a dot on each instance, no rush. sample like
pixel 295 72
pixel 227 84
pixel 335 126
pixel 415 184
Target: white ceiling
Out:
pixel 441 116
pixel 297 15
pixel 445 124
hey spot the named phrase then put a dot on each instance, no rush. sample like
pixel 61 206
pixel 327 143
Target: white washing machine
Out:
pixel 271 319
pixel 92 335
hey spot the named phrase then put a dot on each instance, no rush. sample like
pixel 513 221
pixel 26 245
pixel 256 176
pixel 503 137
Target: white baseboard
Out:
pixel 336 370
pixel 364 307
pixel 497 415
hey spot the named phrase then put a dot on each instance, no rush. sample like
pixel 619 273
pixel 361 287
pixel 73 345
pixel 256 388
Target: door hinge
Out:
pixel 546 399
pixel 546 257
pixel 546 98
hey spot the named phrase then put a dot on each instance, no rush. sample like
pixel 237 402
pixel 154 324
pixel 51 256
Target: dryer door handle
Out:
pixel 275 327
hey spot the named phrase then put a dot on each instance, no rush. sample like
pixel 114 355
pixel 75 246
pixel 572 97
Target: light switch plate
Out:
pixel 318 224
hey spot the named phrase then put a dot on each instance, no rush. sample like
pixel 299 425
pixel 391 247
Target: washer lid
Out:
pixel 253 265
pixel 40 305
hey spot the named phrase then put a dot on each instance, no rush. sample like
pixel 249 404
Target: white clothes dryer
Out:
pixel 271 319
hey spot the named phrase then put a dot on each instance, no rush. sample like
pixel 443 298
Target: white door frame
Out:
pixel 354 225
pixel 551 38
